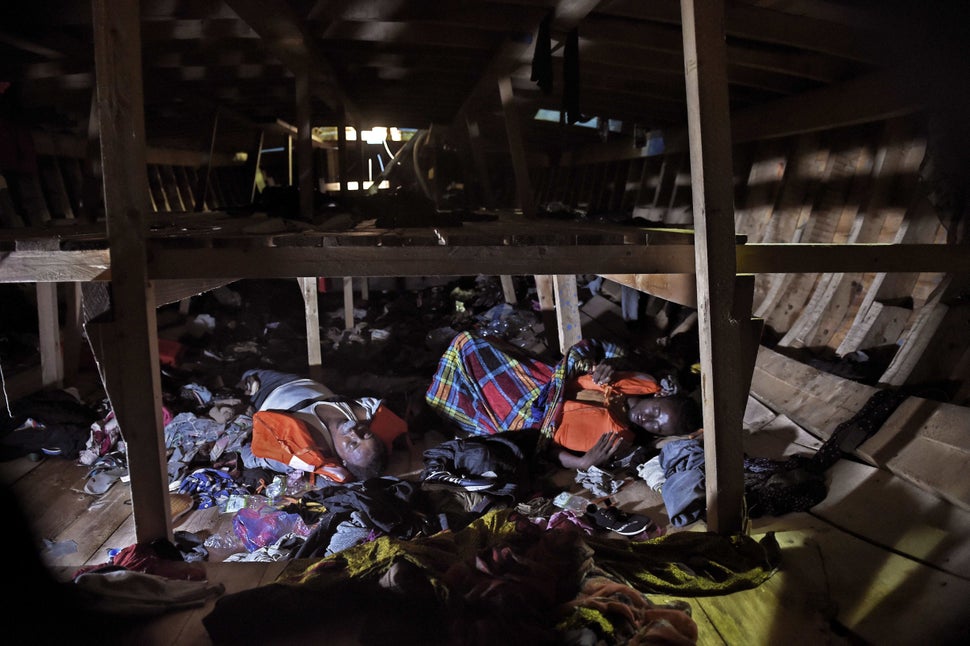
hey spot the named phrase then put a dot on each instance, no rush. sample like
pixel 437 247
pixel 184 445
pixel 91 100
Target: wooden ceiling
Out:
pixel 413 63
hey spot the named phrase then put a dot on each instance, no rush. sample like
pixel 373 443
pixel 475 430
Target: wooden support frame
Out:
pixel 545 293
pixel 706 153
pixel 523 186
pixel 478 156
pixel 135 388
pixel 308 287
pixel 304 144
pixel 569 326
pixel 52 363
pixel 709 126
pixel 202 186
pixel 508 290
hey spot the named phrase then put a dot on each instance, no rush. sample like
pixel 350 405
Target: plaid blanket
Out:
pixel 486 386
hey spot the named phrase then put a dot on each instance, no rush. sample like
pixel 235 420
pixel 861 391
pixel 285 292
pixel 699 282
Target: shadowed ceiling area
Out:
pixel 413 64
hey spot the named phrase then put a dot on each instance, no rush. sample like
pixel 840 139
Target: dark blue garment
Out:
pixel 269 380
pixel 684 490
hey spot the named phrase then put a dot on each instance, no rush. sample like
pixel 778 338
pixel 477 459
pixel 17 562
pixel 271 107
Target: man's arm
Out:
pixel 602 451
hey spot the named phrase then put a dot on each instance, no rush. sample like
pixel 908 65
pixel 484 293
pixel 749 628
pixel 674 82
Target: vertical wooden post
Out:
pixel 508 290
pixel 545 292
pixel 348 302
pixel 709 128
pixel 253 164
pixel 134 384
pixel 72 332
pixel 342 156
pixel 289 160
pixel 91 194
pixel 49 334
pixel 523 187
pixel 478 156
pixel 333 166
pixel 308 285
pixel 361 158
pixel 202 188
pixel 304 144
pixel 567 311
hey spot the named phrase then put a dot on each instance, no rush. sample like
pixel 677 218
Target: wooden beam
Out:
pixel 653 268
pixel 478 156
pixel 443 260
pixel 253 162
pixel 545 294
pixel 651 38
pixel 720 341
pixel 348 303
pixel 876 97
pixel 308 287
pixel 54 266
pixel 925 442
pixel 677 288
pixel 134 389
pixel 175 291
pixel 281 30
pixel 342 159
pixel 798 258
pixel 304 145
pixel 857 40
pixel 49 333
pixel 567 311
pixel 72 332
pixel 513 130
pixel 512 53
pixel 508 289
pixel 202 186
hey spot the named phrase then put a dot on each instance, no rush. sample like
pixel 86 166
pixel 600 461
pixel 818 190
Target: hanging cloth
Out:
pixel 542 57
pixel 570 78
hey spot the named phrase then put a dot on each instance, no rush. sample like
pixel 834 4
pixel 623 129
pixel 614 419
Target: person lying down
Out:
pixel 338 438
pixel 587 410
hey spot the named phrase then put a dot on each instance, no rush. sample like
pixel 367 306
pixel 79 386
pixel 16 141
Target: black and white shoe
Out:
pixel 618 521
pixel 453 481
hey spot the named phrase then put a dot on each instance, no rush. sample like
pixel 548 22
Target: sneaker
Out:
pixel 468 483
pixel 617 520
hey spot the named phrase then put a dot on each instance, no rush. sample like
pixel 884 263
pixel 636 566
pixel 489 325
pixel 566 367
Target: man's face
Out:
pixel 657 415
pixel 355 444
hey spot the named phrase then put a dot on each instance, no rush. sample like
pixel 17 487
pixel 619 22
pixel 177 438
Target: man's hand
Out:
pixel 602 451
pixel 251 385
pixel 602 374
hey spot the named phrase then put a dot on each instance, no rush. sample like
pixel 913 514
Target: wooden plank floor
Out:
pixel 879 561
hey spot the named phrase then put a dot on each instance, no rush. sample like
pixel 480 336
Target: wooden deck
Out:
pixel 879 561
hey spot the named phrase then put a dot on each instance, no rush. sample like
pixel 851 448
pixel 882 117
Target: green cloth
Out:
pixel 681 564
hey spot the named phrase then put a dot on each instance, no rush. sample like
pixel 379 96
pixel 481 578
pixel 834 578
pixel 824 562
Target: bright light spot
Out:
pixel 375 135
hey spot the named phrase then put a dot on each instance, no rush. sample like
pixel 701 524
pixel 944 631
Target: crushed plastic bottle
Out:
pixel 276 488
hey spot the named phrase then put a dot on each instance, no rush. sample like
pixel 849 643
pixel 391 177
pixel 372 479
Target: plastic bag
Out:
pixel 258 528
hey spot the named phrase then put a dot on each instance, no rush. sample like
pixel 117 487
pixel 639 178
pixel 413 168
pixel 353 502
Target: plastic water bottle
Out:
pixel 275 489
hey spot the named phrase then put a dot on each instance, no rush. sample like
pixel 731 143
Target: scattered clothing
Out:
pixel 49 422
pixel 684 489
pixel 505 457
pixel 501 575
pixel 127 592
